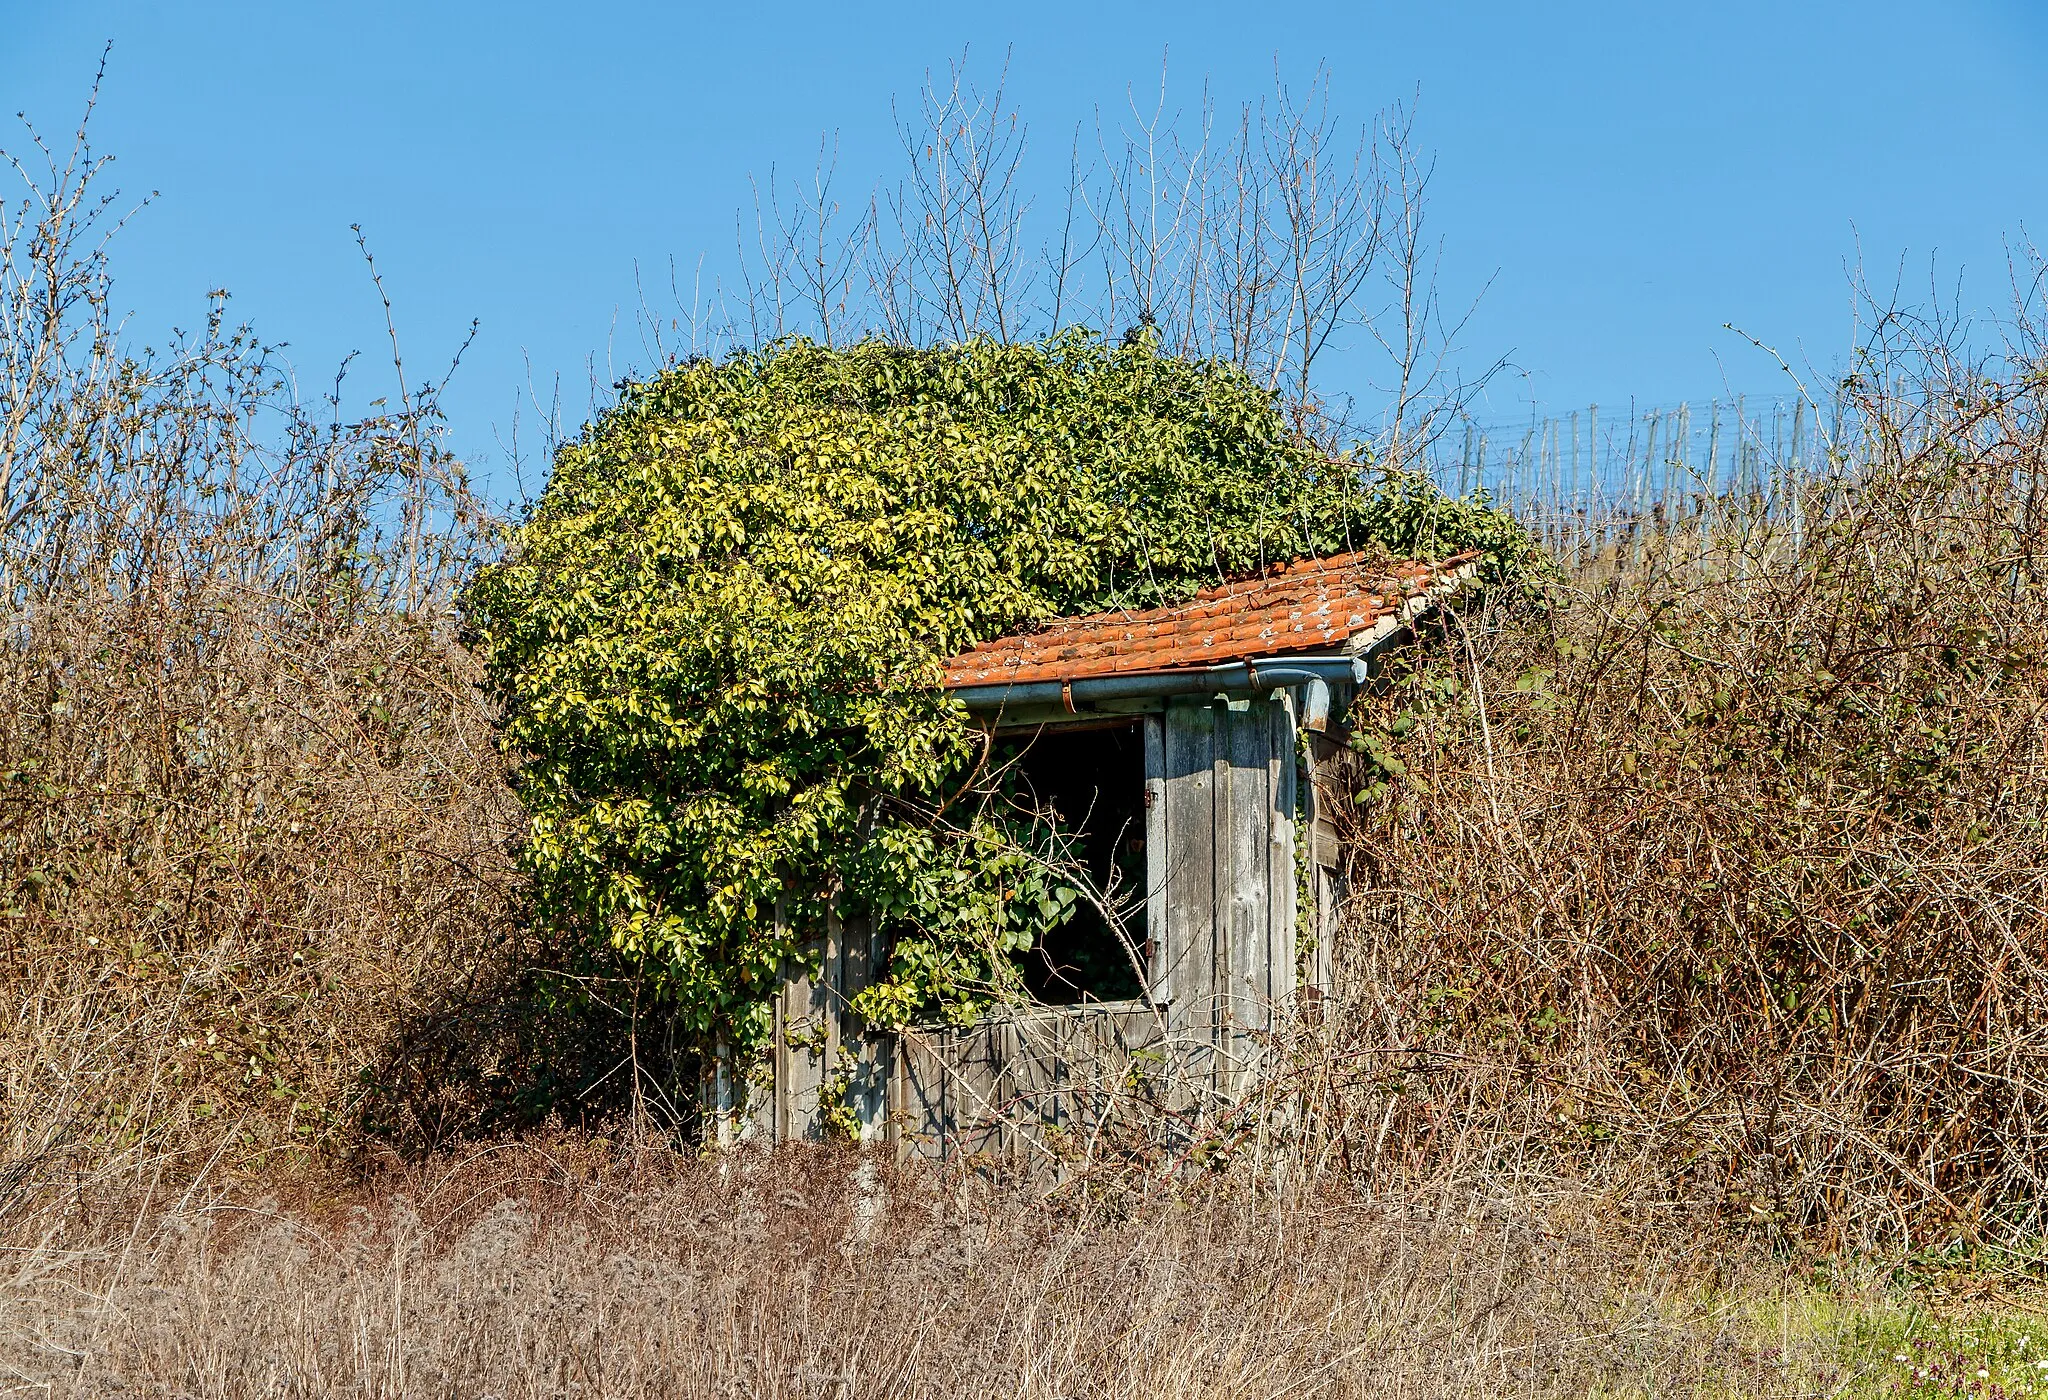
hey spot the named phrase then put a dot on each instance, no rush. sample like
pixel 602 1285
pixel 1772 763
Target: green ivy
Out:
pixel 718 636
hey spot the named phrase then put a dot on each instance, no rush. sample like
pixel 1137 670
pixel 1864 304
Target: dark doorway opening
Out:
pixel 1093 777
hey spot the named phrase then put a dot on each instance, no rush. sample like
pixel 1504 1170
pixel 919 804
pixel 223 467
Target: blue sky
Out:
pixel 1627 177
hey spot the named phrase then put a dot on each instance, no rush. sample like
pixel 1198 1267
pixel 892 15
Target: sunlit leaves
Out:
pixel 718 638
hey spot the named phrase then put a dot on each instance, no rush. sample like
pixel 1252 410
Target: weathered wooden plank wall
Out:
pixel 1034 1087
pixel 1187 959
pixel 1227 964
pixel 1221 799
pixel 819 1058
pixel 1322 798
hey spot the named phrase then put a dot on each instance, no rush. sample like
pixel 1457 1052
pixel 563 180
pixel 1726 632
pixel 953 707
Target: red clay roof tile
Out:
pixel 1309 605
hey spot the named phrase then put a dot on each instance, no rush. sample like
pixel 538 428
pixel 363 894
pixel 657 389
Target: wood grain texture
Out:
pixel 1244 820
pixel 1031 1089
pixel 1155 857
pixel 1190 860
pixel 1283 943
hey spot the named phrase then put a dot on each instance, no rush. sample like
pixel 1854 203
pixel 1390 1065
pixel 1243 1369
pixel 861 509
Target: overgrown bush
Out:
pixel 254 832
pixel 718 639
pixel 1724 878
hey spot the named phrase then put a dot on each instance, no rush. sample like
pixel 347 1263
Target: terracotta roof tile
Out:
pixel 1306 606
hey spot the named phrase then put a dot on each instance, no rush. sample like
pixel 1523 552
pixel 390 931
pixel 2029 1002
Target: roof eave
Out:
pixel 1353 663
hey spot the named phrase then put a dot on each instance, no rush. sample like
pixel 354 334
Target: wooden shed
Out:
pixel 1188 747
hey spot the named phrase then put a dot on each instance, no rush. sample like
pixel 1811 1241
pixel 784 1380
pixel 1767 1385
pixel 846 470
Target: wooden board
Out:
pixel 1032 1088
pixel 1226 875
pixel 1190 957
pixel 819 1057
pixel 1279 978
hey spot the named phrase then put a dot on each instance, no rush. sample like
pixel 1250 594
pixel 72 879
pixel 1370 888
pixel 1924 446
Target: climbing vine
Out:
pixel 717 638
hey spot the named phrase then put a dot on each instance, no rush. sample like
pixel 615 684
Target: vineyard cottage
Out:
pixel 1187 749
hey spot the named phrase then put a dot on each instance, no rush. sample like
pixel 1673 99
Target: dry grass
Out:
pixel 569 1268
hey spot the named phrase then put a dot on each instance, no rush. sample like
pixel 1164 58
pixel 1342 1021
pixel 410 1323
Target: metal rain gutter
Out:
pixel 1270 674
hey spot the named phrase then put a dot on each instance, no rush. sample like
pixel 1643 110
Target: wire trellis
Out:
pixel 1595 478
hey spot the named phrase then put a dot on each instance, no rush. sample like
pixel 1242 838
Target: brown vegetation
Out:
pixel 563 1268
pixel 254 832
pixel 1720 877
pixel 1703 891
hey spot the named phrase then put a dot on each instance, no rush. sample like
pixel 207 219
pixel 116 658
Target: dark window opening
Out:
pixel 1094 780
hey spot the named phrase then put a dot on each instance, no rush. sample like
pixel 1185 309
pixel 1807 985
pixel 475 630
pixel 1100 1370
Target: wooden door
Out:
pixel 1221 783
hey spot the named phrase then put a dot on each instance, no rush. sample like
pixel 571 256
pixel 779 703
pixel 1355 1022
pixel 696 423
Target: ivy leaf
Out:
pixel 717 640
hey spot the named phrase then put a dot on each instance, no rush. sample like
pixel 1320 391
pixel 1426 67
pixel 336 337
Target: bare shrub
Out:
pixel 1270 237
pixel 253 828
pixel 1719 877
